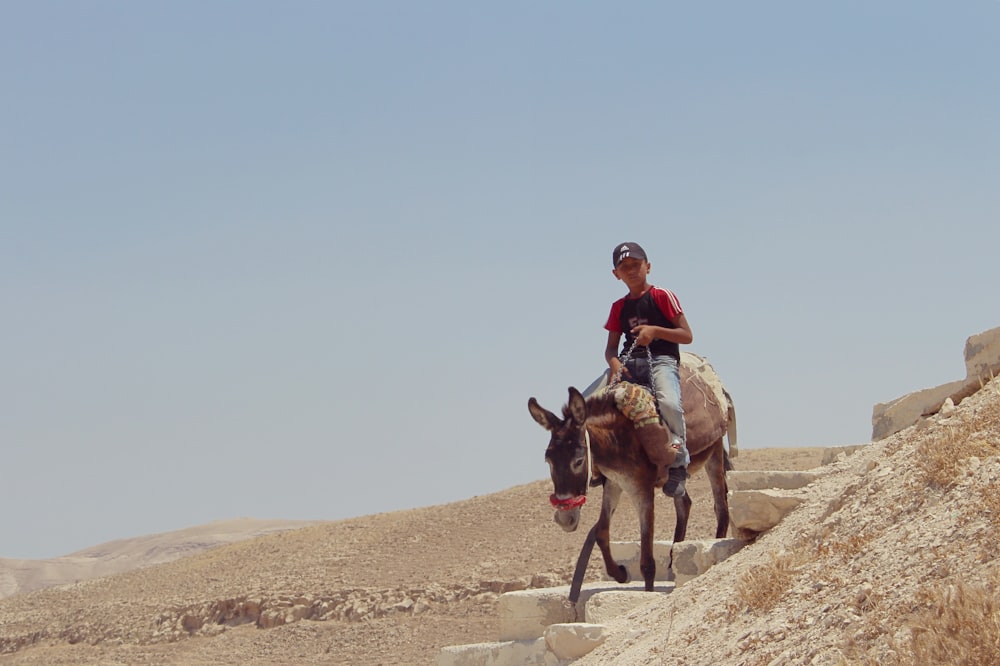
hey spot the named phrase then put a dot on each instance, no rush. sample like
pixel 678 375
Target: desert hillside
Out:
pixel 892 558
pixel 108 559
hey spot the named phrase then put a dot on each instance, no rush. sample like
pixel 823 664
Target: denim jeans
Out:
pixel 666 382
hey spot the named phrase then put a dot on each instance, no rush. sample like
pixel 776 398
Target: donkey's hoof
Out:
pixel 622 576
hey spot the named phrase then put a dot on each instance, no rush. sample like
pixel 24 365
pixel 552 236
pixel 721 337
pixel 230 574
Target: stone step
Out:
pixel 526 614
pixel 541 627
pixel 502 653
pixel 759 500
pixel 690 558
pixel 574 640
pixel 766 480
pixel 754 511
pixel 626 553
pixel 562 643
pixel 693 558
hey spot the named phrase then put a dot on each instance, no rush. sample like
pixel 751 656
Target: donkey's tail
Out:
pixel 731 425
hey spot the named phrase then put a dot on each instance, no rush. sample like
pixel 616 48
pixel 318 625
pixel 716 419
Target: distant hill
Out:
pixel 114 557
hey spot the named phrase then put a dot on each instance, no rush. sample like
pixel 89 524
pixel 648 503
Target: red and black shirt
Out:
pixel 656 307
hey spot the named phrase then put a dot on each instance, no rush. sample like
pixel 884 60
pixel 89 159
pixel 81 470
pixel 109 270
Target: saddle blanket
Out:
pixel 636 403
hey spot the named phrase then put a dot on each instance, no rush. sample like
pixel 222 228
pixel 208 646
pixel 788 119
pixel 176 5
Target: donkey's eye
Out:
pixel 578 463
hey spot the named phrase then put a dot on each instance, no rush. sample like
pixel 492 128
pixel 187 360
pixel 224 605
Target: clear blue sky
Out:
pixel 309 260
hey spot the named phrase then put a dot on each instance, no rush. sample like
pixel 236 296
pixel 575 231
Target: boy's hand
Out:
pixel 615 364
pixel 644 334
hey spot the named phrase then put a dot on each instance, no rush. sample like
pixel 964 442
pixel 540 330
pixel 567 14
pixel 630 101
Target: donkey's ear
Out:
pixel 577 406
pixel 545 418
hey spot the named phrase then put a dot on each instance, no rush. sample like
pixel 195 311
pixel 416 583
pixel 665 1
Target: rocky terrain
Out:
pixel 891 560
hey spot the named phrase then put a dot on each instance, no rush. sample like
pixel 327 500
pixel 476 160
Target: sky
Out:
pixel 309 260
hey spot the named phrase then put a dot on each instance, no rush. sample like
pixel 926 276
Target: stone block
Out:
pixel 693 558
pixel 504 653
pixel 764 480
pixel 831 454
pixel 890 417
pixel 982 355
pixel 574 640
pixel 982 363
pixel 626 553
pixel 760 510
pixel 605 606
pixel 525 614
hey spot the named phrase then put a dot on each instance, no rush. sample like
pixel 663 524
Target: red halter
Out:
pixel 567 504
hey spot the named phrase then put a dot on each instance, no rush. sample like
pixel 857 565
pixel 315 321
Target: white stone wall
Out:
pixel 982 363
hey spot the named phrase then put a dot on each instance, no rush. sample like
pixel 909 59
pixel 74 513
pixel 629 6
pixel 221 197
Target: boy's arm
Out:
pixel 611 352
pixel 682 335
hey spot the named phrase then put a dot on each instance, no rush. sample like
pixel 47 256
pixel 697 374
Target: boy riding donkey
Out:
pixel 654 326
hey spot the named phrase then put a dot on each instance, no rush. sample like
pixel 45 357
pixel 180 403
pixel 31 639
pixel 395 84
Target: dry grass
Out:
pixel 761 588
pixel 960 624
pixel 844 550
pixel 989 503
pixel 940 460
pixel 986 501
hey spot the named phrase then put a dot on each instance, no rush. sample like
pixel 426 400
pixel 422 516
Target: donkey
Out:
pixel 593 438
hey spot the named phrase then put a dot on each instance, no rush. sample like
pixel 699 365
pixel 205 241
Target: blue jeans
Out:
pixel 666 382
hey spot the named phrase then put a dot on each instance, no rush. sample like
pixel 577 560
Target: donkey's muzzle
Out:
pixel 568 519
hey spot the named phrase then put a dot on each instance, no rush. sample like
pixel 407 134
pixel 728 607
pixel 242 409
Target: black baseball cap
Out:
pixel 627 250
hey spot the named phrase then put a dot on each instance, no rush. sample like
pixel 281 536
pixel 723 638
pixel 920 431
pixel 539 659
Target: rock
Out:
pixel 606 606
pixel 574 640
pixel 546 580
pixel 296 613
pixel 404 606
pixel 834 453
pixel 948 408
pixel 274 617
pixel 524 615
pixel 525 653
pixel 982 355
pixel 760 510
pixel 899 414
pixel 765 480
pixel 693 558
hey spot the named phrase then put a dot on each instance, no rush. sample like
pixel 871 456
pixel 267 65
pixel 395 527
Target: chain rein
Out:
pixel 624 358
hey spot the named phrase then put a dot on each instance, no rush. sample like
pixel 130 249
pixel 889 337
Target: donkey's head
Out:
pixel 568 456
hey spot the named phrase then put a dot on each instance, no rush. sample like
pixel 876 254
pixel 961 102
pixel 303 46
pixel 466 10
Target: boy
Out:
pixel 651 317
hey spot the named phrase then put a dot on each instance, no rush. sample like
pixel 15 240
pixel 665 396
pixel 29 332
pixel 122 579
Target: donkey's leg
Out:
pixel 612 493
pixel 682 507
pixel 647 565
pixel 715 467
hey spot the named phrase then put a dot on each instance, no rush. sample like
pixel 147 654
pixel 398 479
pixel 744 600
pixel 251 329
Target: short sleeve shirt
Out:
pixel 656 307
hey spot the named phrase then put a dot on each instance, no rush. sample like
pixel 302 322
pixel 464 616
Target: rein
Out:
pixel 625 359
pixel 576 502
